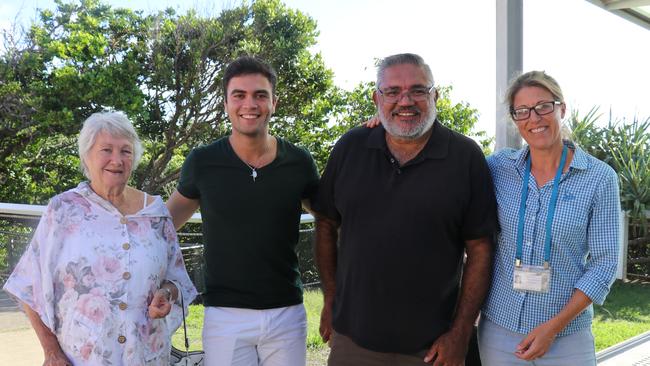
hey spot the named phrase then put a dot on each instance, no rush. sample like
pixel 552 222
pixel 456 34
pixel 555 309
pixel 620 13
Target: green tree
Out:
pixel 164 70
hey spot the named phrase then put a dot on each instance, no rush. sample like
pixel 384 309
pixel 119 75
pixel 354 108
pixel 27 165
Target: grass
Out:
pixel 625 314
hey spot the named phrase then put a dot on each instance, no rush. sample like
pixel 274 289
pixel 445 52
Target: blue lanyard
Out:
pixel 549 217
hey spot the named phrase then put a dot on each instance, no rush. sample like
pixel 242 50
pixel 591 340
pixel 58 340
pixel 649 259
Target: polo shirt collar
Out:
pixel 436 148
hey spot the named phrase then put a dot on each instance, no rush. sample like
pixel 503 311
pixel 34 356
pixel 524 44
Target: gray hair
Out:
pixel 400 59
pixel 117 124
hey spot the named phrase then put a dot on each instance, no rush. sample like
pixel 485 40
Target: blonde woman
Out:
pixel 557 247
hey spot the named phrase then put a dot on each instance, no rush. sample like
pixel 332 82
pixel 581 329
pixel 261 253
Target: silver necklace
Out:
pixel 253 170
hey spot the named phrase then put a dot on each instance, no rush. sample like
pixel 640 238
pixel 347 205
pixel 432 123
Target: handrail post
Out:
pixel 623 236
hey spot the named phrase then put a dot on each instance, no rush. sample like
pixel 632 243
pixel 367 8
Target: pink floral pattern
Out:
pixel 90 277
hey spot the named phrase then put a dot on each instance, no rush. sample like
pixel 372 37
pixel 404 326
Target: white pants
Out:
pixel 247 337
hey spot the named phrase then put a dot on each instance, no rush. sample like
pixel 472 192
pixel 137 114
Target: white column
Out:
pixel 623 237
pixel 509 63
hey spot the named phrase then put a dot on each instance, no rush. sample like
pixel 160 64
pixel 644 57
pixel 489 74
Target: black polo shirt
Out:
pixel 402 234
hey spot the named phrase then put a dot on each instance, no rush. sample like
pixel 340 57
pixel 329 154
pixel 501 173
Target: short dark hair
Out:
pixel 246 65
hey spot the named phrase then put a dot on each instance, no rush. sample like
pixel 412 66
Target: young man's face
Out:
pixel 250 103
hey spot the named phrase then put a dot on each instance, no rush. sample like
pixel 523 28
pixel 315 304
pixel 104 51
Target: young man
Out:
pixel 249 186
pixel 408 198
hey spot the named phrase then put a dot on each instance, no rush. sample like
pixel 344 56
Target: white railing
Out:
pixel 623 235
pixel 22 210
pixel 19 209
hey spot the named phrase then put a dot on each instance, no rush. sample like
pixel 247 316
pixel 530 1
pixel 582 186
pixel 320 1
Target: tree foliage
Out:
pixel 164 70
pixel 625 146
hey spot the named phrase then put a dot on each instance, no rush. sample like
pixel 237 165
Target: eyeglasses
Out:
pixel 417 94
pixel 541 108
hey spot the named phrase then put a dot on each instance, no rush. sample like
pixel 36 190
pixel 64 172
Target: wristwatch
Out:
pixel 168 293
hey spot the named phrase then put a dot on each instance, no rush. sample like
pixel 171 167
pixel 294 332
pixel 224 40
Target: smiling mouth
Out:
pixel 406 113
pixel 539 129
pixel 249 116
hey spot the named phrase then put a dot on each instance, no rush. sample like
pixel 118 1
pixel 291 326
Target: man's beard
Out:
pixel 413 130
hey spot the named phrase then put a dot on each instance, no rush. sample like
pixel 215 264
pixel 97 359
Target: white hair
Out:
pixel 117 124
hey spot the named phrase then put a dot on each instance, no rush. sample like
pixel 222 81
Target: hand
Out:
pixel 372 122
pixel 448 350
pixel 536 343
pixel 56 358
pixel 160 305
pixel 326 322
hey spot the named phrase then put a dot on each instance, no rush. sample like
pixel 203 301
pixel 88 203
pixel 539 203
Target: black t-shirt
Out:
pixel 402 234
pixel 250 228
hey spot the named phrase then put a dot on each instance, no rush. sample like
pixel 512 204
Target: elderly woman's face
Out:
pixel 540 132
pixel 109 161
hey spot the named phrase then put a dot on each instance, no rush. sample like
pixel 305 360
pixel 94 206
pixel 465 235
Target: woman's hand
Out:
pixel 537 342
pixel 56 357
pixel 161 303
pixel 372 122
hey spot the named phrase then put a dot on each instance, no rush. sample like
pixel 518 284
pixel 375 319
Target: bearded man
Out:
pixel 398 207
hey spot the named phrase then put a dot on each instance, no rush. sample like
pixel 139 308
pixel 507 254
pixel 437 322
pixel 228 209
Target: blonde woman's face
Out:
pixel 540 132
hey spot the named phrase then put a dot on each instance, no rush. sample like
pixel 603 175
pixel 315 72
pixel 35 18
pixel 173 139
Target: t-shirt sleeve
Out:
pixel 480 216
pixel 323 202
pixel 187 181
pixel 311 187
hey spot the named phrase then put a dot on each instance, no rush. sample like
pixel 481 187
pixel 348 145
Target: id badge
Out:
pixel 531 278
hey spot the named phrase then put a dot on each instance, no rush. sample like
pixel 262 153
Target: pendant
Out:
pixel 254 174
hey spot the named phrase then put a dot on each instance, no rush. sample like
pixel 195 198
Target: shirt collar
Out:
pixel 436 148
pixel 580 159
pixel 155 209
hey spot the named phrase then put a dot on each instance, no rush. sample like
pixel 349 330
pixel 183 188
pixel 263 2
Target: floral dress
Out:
pixel 90 273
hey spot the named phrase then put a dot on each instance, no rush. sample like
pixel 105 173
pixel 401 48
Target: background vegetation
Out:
pixel 625 146
pixel 164 70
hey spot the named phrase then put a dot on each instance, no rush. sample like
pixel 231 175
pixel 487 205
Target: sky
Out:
pixel 598 58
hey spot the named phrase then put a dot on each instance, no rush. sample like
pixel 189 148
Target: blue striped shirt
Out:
pixel 584 244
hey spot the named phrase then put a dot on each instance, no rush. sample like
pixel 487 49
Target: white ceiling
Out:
pixel 636 11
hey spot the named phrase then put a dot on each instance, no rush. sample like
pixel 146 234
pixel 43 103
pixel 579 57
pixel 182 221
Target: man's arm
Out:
pixel 451 347
pixel 181 208
pixel 325 253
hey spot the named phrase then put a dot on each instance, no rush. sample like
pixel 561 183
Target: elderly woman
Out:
pixel 557 247
pixel 102 275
